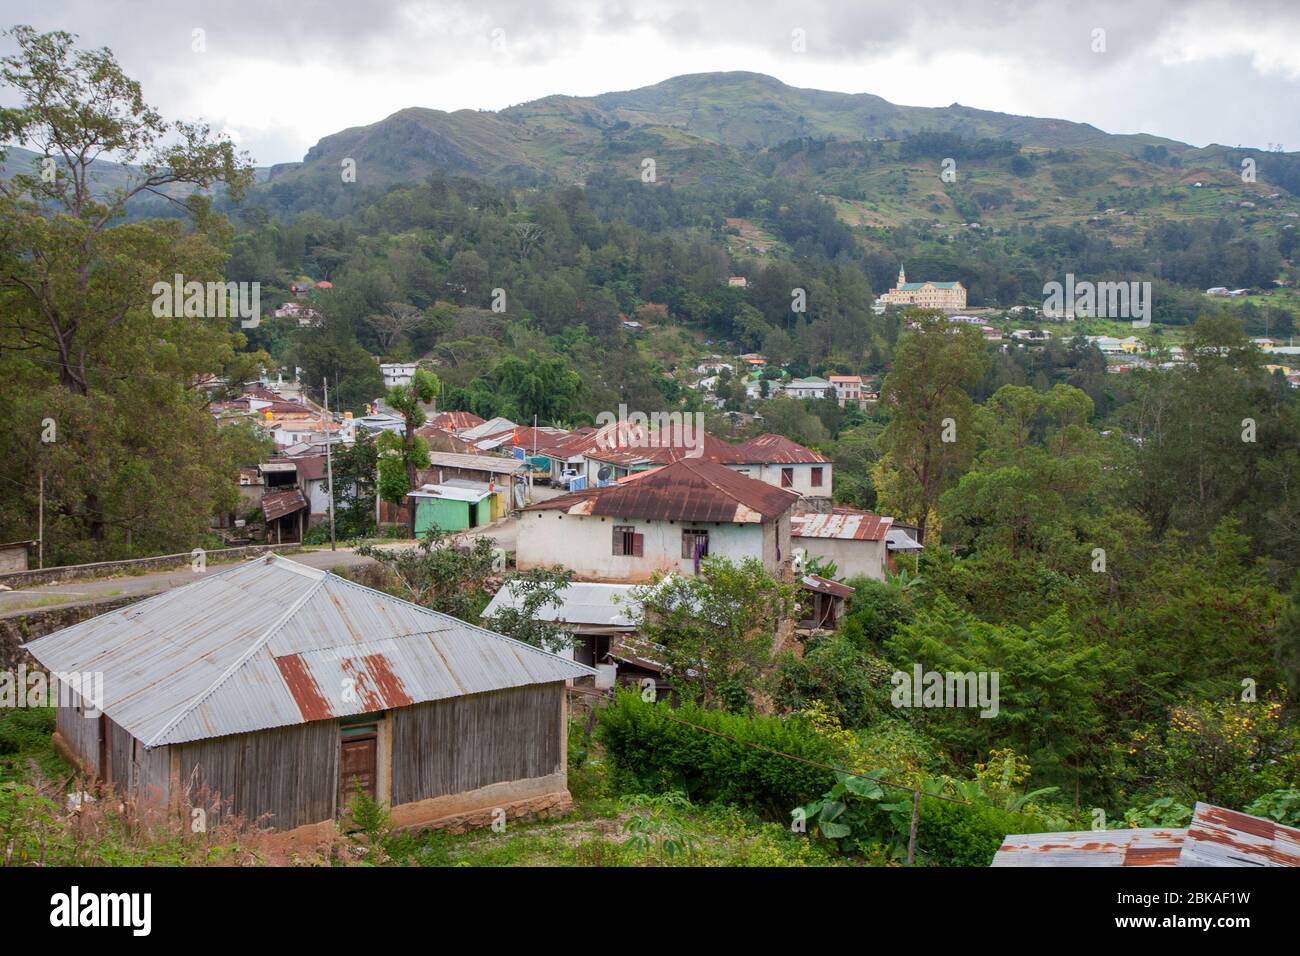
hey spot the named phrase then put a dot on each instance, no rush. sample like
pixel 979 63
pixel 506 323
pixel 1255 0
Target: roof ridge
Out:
pixel 240 661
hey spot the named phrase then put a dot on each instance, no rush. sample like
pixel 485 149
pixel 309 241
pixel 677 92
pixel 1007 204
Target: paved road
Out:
pixel 504 532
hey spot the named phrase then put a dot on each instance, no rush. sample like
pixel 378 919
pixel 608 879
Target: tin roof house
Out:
pixel 279 689
pixel 663 520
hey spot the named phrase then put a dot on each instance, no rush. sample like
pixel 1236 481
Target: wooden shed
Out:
pixel 279 688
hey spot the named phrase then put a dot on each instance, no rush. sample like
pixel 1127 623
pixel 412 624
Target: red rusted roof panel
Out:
pixel 302 685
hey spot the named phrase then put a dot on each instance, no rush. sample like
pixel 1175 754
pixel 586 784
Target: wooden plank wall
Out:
pixel 290 773
pixel 451 746
pixel 81 734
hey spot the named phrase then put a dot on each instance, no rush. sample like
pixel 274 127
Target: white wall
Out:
pixel 585 544
pixel 802 477
pixel 852 557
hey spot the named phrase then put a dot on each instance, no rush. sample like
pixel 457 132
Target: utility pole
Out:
pixel 40 523
pixel 329 464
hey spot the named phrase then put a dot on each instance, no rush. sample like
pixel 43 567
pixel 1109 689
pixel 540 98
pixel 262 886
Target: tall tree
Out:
pixel 80 345
pixel 397 469
pixel 929 438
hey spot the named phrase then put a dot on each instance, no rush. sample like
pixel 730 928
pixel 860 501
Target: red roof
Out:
pixel 455 421
pixel 690 489
pixel 775 450
pixel 844 523
pixel 310 467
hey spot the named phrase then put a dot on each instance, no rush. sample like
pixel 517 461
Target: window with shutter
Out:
pixel 816 477
pixel 624 537
pixel 787 477
pixel 638 545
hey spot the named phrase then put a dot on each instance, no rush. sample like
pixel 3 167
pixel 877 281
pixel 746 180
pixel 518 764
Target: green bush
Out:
pixel 963 834
pixel 651 750
pixel 876 610
pixel 853 684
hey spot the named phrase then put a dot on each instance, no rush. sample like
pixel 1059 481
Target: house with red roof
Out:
pixel 659 521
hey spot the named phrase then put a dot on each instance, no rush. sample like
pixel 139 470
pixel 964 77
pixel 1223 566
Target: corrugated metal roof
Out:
pixel 272 643
pixel 775 450
pixel 1219 837
pixel 488 463
pixel 492 427
pixel 846 525
pixel 691 489
pixel 277 504
pixel 601 605
pixel 1215 837
pixel 1144 847
pixel 815 582
pixel 455 421
pixel 896 539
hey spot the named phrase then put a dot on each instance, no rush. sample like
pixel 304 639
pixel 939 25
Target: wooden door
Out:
pixel 358 762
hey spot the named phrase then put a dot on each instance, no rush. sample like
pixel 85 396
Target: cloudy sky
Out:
pixel 279 74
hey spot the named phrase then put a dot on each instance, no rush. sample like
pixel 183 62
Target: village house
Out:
pixel 397 373
pixel 275 690
pixel 462 491
pixel 856 541
pixel 806 388
pixel 848 389
pixel 779 461
pixel 660 521
pixel 594 614
pixel 455 422
pixel 926 295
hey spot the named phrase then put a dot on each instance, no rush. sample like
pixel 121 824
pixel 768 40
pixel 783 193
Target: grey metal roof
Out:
pixel 271 643
pixel 489 463
pixel 603 605
pixel 896 539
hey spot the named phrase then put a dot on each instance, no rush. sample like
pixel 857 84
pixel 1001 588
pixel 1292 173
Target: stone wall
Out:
pixel 107 569
pixel 19 627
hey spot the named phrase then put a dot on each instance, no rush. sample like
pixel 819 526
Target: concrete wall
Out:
pixel 107 569
pixel 852 558
pixel 771 474
pixel 585 544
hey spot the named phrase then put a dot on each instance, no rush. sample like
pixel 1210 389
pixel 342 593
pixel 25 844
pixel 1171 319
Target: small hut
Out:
pixel 280 689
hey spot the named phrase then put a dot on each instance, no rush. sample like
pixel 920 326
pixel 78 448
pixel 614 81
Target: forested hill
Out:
pixel 731 127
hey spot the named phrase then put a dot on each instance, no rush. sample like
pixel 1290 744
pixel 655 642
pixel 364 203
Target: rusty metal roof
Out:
pixel 774 450
pixel 1219 837
pixel 277 504
pixel 1215 837
pixel 815 582
pixel 271 643
pixel 691 489
pixel 494 464
pixel 455 421
pixel 1146 847
pixel 842 523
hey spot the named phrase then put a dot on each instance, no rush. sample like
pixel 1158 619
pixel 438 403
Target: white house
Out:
pixel 855 540
pixel 397 373
pixel 808 388
pixel 657 522
pixel 776 460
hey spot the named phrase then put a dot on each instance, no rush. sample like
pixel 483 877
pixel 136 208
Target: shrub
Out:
pixel 963 834
pixel 850 682
pixel 652 749
pixel 876 610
